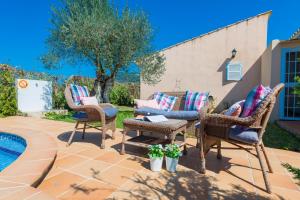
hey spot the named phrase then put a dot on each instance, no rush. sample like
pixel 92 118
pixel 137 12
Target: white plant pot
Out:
pixel 156 164
pixel 171 164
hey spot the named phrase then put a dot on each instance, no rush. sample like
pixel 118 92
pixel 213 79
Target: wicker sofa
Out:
pixel 178 111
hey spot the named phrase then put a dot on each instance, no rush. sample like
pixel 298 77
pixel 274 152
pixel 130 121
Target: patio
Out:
pixel 84 171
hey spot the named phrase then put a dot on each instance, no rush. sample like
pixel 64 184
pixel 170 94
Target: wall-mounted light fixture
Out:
pixel 233 53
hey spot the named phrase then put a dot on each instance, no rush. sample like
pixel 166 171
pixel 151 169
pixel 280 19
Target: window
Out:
pixel 234 72
pixel 290 102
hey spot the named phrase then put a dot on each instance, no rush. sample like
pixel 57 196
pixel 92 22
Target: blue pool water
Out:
pixel 11 147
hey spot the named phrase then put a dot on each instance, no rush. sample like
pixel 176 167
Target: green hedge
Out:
pixel 8 96
pixel 120 95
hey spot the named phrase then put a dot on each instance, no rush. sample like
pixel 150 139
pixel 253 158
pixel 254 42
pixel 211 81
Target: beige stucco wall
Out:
pixel 271 67
pixel 200 64
pixel 270 71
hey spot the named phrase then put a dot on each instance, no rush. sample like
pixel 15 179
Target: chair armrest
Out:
pixel 227 121
pixel 203 112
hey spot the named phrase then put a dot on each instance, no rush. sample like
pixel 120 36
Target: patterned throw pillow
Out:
pixel 146 103
pixel 254 98
pixel 164 101
pixel 195 100
pixel 78 92
pixel 236 109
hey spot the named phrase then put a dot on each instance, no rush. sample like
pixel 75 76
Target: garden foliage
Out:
pixel 294 170
pixel 120 95
pixel 8 96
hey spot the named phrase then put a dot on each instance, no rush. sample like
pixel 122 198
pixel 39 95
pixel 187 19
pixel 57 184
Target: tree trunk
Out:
pixel 102 87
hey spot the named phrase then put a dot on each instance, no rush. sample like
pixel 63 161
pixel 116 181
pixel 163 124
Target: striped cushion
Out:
pixel 254 98
pixel 78 92
pixel 195 100
pixel 164 101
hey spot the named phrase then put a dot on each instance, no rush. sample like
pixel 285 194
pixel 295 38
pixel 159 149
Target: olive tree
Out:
pixel 98 35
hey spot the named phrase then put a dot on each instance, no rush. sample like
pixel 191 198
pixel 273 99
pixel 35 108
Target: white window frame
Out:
pixel 228 71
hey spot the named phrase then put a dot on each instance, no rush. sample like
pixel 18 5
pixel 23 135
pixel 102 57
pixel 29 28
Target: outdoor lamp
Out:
pixel 233 53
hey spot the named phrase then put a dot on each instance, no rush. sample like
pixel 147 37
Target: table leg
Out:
pixel 184 142
pixel 83 132
pixel 197 137
pixel 173 137
pixel 202 156
pixel 219 155
pixel 123 141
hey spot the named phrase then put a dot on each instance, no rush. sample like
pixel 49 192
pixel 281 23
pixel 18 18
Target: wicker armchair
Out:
pixel 217 127
pixel 87 114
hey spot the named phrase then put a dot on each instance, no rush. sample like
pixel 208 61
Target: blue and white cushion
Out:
pixel 164 101
pixel 78 92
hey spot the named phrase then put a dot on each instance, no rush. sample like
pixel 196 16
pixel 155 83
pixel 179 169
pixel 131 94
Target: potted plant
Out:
pixel 156 154
pixel 172 152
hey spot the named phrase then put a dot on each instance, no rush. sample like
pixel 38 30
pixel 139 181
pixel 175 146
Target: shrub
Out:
pixel 121 96
pixel 58 97
pixel 8 96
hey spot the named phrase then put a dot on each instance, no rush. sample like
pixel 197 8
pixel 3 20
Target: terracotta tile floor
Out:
pixel 84 171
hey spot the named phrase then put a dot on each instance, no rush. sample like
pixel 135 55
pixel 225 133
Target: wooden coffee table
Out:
pixel 167 131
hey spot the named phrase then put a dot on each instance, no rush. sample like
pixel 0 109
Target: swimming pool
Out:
pixel 11 147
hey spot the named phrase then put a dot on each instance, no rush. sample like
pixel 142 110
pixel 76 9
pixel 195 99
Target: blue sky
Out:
pixel 25 24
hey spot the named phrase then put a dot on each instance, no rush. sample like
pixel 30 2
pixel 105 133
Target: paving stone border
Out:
pixel 19 179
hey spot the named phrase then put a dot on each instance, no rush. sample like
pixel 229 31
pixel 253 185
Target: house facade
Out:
pixel 229 62
pixel 281 64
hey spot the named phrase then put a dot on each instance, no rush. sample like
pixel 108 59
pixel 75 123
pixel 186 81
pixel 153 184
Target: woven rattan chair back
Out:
pixel 262 114
pixel 69 98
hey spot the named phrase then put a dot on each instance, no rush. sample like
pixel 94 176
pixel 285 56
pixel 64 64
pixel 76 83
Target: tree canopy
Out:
pixel 97 33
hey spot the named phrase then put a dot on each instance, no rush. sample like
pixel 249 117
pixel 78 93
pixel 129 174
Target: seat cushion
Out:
pixel 186 115
pixel 243 134
pixel 109 113
pixel 79 115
